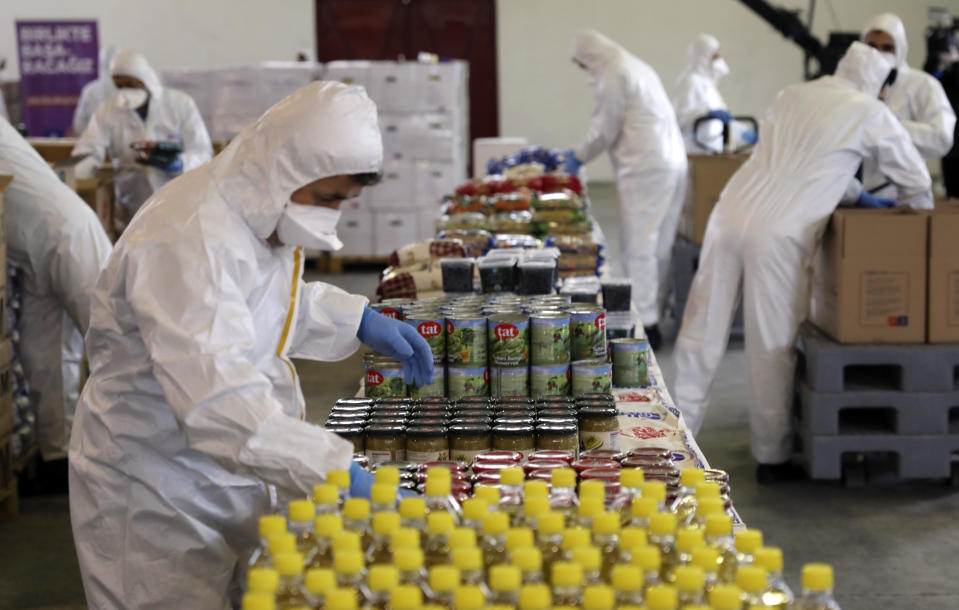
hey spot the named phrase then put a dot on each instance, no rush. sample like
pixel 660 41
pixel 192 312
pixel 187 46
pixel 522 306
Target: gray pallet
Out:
pixel 684 264
pixel 832 367
pixel 842 413
pixel 920 456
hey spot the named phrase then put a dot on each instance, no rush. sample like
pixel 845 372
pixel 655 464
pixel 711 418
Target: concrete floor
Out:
pixel 893 544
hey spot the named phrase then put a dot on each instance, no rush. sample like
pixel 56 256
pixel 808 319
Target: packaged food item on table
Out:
pixel 514 438
pixel 549 380
pixel 427 443
pixel 385 443
pixel 536 277
pixel 512 241
pixel 617 294
pixel 475 241
pixel 598 428
pixel 587 332
pixel 630 362
pixel 497 274
pixel 591 376
pixel 462 222
pixel 557 437
pixel 384 378
pixel 467 441
pixel 432 327
pixel 466 340
pixel 464 381
pixel 457 274
pixel 465 204
pixel 508 340
pixel 509 381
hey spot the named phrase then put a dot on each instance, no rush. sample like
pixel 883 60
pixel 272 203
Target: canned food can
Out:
pixel 630 362
pixel 464 381
pixel 389 309
pixel 549 380
pixel 437 389
pixel 508 340
pixel 549 338
pixel 587 330
pixel 466 340
pixel 384 380
pixel 592 376
pixel 433 329
pixel 509 381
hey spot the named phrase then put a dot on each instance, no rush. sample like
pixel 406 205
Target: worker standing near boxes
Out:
pixel 59 244
pixel 763 233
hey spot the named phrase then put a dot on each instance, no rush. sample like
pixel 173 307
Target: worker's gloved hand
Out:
pixel 721 114
pixel 361 481
pixel 868 200
pixel 400 341
pixel 571 164
pixel 749 136
pixel 167 165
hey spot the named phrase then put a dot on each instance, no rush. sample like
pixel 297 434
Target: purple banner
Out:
pixel 56 59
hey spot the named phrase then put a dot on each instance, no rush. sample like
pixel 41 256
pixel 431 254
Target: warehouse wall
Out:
pixel 545 97
pixel 178 33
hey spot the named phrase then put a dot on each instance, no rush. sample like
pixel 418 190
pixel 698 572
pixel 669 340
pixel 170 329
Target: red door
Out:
pixel 388 29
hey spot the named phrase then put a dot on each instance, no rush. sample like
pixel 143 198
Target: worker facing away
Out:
pixel 95 92
pixel 57 243
pixel 192 420
pixel 917 99
pixel 153 134
pixel 635 122
pixel 696 95
pixel 763 232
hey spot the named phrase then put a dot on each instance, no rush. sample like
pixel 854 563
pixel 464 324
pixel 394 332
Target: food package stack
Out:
pixel 424 118
pixel 415 271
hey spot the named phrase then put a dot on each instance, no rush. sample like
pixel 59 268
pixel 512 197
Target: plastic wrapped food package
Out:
pixel 560 200
pixel 536 277
pixel 451 222
pixel 426 251
pixel 475 241
pixel 458 274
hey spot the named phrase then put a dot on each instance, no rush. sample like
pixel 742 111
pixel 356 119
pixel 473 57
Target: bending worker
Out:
pixel 57 242
pixel 152 134
pixel 635 122
pixel 95 92
pixel 764 230
pixel 193 411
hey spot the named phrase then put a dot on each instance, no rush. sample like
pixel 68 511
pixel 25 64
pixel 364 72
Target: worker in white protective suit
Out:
pixel 696 95
pixel 916 98
pixel 95 92
pixel 193 412
pixel 153 134
pixel 635 122
pixel 4 114
pixel 764 230
pixel 57 242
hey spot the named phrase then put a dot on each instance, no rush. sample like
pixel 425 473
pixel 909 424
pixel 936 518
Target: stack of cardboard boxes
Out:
pixel 8 484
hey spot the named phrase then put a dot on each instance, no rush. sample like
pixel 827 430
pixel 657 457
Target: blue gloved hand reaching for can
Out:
pixel 398 341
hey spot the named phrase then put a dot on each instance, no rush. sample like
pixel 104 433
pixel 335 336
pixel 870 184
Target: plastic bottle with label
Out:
pixel 290 591
pixel 325 527
pixel 629 538
pixel 655 490
pixel 690 584
pixel 382 498
pixel 640 510
pixel 684 506
pixel 817 584
pixel 529 560
pixel 411 568
pixel 688 539
pixel 704 508
pixel 469 561
pixel 562 496
pixel 493 541
pixel 326 499
pixel 630 486
pixel 350 571
pixel 356 518
pixel 437 548
pixel 504 583
pixel 438 496
pixel 606 528
pixel 319 582
pixel 384 524
pixel 747 542
pixel 719 535
pixel 269 526
pixel 627 581
pixel 380 580
pixel 341 480
pixel 567 579
pixel 649 560
pixel 550 539
pixel 777 594
pixel 302 514
pixel 587 510
pixel 511 492
pixel 573 538
pixel 474 511
pixel 752 581
pixel 443 582
pixel 707 559
pixel 591 560
pixel 533 507
pixel 662 534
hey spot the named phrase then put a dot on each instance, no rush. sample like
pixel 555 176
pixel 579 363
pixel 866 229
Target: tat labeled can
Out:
pixel 464 381
pixel 591 376
pixel 551 380
pixel 587 332
pixel 511 381
pixel 437 389
pixel 390 309
pixel 384 379
pixel 466 340
pixel 630 362
pixel 549 338
pixel 508 340
pixel 433 329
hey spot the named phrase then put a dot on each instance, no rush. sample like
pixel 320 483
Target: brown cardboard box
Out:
pixel 869 282
pixel 53 150
pixel 708 175
pixel 943 299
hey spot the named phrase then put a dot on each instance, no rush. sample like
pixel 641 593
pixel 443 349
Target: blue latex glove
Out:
pixel 721 114
pixel 173 166
pixel 400 341
pixel 868 200
pixel 361 481
pixel 749 136
pixel 571 164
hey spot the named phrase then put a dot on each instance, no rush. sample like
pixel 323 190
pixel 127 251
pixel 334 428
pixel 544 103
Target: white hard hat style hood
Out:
pixel 892 25
pixel 324 129
pixel 865 68
pixel 700 53
pixel 105 61
pixel 131 63
pixel 594 51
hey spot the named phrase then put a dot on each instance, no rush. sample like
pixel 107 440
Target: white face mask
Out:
pixel 309 226
pixel 131 99
pixel 719 67
pixel 890 59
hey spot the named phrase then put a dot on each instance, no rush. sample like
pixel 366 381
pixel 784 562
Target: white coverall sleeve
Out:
pixel 853 189
pixel 327 321
pixel 197 148
pixel 896 157
pixel 95 142
pixel 690 104
pixel 932 129
pixel 83 113
pixel 81 255
pixel 607 120
pixel 199 332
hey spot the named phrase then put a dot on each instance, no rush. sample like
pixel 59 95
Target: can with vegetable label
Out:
pixel 433 329
pixel 466 340
pixel 390 310
pixel 592 376
pixel 587 333
pixel 508 340
pixel 552 380
pixel 549 338
pixel 466 381
pixel 435 389
pixel 509 381
pixel 630 362
pixel 384 379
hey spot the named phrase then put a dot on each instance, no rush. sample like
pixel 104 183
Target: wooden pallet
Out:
pixel 9 502
pixel 337 264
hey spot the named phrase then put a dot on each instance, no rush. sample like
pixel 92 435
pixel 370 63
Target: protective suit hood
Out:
pixel 324 129
pixel 865 68
pixel 892 25
pixel 131 63
pixel 105 61
pixel 700 54
pixel 594 51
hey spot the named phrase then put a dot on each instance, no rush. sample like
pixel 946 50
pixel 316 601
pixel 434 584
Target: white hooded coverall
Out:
pixel 57 241
pixel 193 406
pixel 696 93
pixel 172 116
pixel 635 122
pixel 918 101
pixel 765 228
pixel 95 92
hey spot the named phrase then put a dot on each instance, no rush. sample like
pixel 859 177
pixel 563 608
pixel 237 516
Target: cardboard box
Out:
pixel 426 218
pixel 395 190
pixel 441 87
pixel 434 180
pixel 393 229
pixel 392 86
pixel 351 72
pixel 53 150
pixel 708 175
pixel 943 296
pixel 869 281
pixel 355 230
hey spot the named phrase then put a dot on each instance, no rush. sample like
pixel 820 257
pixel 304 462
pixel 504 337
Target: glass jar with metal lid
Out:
pixel 557 436
pixel 598 428
pixel 467 440
pixel 385 443
pixel 520 438
pixel 427 443
pixel 354 434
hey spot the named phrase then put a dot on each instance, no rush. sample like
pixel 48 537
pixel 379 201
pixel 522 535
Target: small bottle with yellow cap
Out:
pixel 533 507
pixel 747 542
pixel 326 499
pixel 438 492
pixel 684 505
pixel 599 597
pixel 490 493
pixel 649 560
pixel 406 597
pixel 350 571
pixel 341 480
pixel 817 584
pixel 341 599
pixel 511 492
pixel 606 527
pixel 704 508
pixel 262 580
pixel 413 515
pixel 550 538
pixel 588 508
pixel 469 561
pixel 269 526
pixel 719 535
pixel 590 559
pixel 325 527
pixel 777 594
pixel 627 581
pixel 573 538
pixel 281 543
pixel 493 541
pixel 356 518
pixel 443 582
pixel 640 510
pixel 410 564
pixel 518 537
pixel 468 597
pixel 630 486
pixel 474 511
pixel 439 524
pixel 529 560
pixel 302 515
pixel 662 534
pixel 662 597
pixel 380 580
pixel 656 490
pixel 690 585
pixel 707 559
pixel 319 582
pixel 290 590
pixel 752 581
pixel 384 524
pixel 567 579
pixel 726 597
pixel 629 538
pixel 535 597
pixel 562 495
pixel 688 539
pixel 535 489
pixel 382 498
pixel 462 537
pixel 504 583
pixel 257 601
